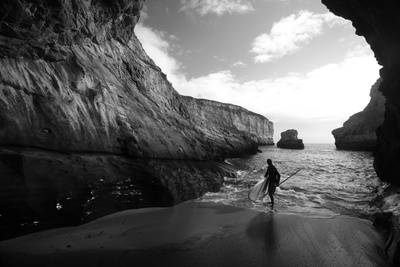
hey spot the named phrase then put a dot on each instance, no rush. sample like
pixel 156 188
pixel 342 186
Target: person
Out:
pixel 272 181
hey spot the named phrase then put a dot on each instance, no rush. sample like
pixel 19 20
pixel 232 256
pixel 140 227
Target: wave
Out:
pixel 331 181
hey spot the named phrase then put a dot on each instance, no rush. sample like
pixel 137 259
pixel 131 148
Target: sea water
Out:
pixel 330 182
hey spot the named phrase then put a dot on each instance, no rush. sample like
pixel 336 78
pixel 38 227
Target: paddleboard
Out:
pixel 256 192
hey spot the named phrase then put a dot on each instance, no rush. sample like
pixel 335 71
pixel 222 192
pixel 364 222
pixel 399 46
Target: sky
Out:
pixel 292 61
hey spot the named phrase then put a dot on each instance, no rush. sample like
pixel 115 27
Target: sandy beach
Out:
pixel 201 234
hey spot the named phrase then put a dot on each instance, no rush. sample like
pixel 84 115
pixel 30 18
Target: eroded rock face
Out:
pixel 359 131
pixel 289 140
pixel 101 94
pixel 104 95
pixel 225 120
pixel 379 23
pixel 82 106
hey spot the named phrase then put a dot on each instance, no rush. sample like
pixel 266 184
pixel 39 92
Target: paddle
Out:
pixel 285 180
pixel 289 177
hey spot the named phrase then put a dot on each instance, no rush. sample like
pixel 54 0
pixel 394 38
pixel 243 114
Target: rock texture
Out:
pixel 379 23
pixel 359 131
pixel 222 120
pixel 289 140
pixel 83 108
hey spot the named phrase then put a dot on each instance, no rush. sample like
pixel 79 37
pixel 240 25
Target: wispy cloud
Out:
pixel 331 91
pixel 291 33
pixel 317 93
pixel 219 58
pixel 217 7
pixel 239 64
pixel 157 46
pixel 144 13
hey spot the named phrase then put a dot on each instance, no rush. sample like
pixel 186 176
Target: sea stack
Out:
pixel 289 140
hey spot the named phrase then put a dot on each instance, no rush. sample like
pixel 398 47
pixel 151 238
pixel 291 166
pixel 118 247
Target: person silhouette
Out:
pixel 273 178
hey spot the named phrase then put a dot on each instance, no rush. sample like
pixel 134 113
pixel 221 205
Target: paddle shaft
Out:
pixel 289 177
pixel 285 180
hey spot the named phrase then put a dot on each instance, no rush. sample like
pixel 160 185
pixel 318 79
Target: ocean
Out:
pixel 331 182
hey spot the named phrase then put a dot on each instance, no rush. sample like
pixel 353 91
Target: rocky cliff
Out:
pixel 379 23
pixel 221 120
pixel 89 124
pixel 359 131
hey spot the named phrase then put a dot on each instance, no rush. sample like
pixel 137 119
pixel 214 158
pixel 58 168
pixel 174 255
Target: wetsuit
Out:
pixel 273 178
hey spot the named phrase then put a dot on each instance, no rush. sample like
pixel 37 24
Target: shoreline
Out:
pixel 202 234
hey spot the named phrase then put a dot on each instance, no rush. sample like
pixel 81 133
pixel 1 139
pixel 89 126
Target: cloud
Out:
pixel 217 7
pixel 219 58
pixel 144 13
pixel 239 64
pixel 291 33
pixel 330 92
pixel 324 97
pixel 156 45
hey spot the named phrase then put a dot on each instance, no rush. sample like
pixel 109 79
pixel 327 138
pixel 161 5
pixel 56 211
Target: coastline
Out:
pixel 202 234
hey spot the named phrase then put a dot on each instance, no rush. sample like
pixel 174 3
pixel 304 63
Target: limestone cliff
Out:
pixel 89 124
pixel 75 78
pixel 221 120
pixel 359 131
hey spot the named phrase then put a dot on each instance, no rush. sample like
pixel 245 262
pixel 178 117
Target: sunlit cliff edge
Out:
pixel 84 110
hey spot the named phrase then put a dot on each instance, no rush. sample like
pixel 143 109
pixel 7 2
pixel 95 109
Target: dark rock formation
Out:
pixel 289 140
pixel 359 131
pixel 379 23
pixel 88 122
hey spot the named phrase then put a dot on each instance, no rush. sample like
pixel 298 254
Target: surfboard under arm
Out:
pixel 256 192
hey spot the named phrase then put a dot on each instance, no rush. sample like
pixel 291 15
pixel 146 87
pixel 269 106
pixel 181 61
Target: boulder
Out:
pixel 289 140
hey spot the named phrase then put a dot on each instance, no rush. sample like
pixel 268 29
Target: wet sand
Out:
pixel 201 234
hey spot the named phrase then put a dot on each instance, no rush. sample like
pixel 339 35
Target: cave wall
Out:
pixel 82 82
pixel 74 77
pixel 379 23
pixel 83 109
